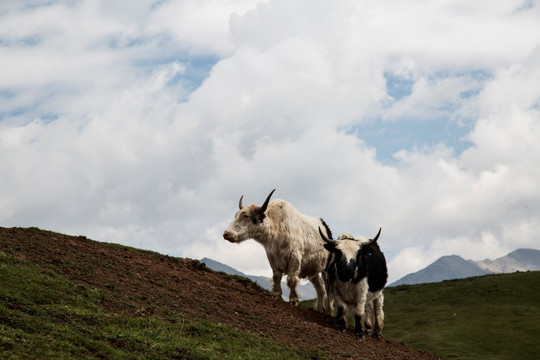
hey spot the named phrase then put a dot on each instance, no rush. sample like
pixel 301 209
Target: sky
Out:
pixel 143 122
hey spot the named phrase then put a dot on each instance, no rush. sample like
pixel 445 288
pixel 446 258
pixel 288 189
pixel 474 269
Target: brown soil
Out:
pixel 146 283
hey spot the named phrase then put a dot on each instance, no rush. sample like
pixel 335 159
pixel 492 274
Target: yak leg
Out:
pixel 341 318
pixel 360 310
pixel 378 315
pixel 329 293
pixel 358 325
pixel 319 288
pixel 293 279
pixel 358 328
pixel 368 320
pixel 276 287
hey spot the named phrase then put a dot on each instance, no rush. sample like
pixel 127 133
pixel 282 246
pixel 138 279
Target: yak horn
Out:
pixel 372 241
pixel 240 203
pixel 265 205
pixel 329 241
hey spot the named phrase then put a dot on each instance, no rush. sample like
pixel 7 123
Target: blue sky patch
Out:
pixel 197 70
pixel 398 87
pixel 391 137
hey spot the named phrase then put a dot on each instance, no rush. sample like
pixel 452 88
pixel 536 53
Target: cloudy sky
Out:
pixel 143 122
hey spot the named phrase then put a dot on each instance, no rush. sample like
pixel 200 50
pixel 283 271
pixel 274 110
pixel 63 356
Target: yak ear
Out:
pixel 258 218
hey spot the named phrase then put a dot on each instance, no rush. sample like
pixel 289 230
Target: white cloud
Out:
pixel 199 27
pixel 432 99
pixel 454 35
pixel 100 136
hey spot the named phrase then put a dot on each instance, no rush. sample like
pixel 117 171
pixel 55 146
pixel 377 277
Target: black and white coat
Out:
pixel 357 273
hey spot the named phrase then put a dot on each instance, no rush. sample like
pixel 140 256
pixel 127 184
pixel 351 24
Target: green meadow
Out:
pixel 486 317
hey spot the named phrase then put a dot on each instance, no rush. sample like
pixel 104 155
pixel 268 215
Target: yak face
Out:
pixel 347 260
pixel 245 224
pixel 246 221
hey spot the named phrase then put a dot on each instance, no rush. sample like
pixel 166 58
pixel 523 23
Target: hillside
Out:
pixel 128 290
pixel 489 317
pixel 485 317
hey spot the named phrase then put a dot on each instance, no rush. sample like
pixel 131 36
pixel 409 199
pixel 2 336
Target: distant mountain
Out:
pixel 445 268
pixel 455 267
pixel 306 291
pixel 519 260
pixel 263 281
pixel 217 266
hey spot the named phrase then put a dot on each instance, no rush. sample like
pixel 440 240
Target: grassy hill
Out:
pixel 68 297
pixel 486 317
pixel 47 316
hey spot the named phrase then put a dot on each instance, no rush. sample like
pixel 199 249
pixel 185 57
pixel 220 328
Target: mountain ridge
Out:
pixel 306 291
pixel 447 267
pixel 455 267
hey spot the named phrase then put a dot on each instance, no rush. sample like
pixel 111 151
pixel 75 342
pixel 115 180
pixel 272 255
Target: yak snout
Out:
pixel 229 236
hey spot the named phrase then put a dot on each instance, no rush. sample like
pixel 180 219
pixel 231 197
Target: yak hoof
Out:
pixel 294 300
pixel 359 336
pixel 377 336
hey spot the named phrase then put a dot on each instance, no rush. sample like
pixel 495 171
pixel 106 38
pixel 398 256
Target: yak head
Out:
pixel 348 256
pixel 247 221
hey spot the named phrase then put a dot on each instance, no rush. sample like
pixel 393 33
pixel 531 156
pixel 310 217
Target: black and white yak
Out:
pixel 357 274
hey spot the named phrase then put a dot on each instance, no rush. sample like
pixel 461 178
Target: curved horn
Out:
pixel 372 241
pixel 240 202
pixel 329 241
pixel 265 205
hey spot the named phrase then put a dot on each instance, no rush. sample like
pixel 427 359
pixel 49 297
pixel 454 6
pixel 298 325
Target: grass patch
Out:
pixel 488 317
pixel 45 316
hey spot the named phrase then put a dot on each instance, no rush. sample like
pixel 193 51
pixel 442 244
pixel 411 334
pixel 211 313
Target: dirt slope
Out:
pixel 145 283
